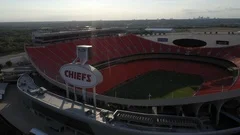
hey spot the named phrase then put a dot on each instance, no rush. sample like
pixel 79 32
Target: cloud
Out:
pixel 192 11
pixel 233 9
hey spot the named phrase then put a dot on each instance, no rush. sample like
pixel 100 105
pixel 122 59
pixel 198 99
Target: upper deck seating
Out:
pixel 50 58
pixel 136 42
pixel 115 75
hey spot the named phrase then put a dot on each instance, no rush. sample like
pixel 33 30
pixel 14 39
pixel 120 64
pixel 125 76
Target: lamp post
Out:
pixel 149 96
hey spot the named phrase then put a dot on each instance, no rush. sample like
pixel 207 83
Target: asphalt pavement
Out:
pixel 4 59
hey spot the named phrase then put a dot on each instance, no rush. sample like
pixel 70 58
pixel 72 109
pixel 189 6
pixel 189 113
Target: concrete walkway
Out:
pixel 12 109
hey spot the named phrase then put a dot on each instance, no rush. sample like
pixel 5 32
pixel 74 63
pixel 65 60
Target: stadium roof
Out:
pixel 18 69
pixel 159 29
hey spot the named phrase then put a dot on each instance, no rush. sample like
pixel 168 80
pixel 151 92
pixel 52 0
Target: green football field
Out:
pixel 158 84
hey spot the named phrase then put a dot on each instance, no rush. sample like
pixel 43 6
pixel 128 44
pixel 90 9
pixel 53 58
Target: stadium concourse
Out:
pixel 111 56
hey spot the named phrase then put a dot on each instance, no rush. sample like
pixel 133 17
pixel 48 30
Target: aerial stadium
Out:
pixel 114 81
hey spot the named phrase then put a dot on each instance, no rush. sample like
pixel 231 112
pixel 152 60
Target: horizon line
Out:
pixel 115 20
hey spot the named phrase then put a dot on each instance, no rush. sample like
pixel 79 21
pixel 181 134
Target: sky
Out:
pixel 81 10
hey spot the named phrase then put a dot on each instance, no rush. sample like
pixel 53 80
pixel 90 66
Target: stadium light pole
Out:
pixel 94 101
pixel 75 95
pixel 84 97
pixel 67 91
pixel 149 96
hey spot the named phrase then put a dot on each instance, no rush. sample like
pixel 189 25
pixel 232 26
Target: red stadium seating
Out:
pixel 128 45
pixel 120 73
pixel 136 42
pixel 50 58
pixel 119 48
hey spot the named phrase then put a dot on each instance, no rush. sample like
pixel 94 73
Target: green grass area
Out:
pixel 180 93
pixel 160 84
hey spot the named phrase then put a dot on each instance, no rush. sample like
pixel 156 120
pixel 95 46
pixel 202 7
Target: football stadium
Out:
pixel 155 82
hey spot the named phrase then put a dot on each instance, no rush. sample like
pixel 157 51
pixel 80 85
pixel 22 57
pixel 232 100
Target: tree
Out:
pixel 9 63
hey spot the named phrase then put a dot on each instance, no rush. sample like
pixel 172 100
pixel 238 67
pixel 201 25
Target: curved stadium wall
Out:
pixel 124 46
